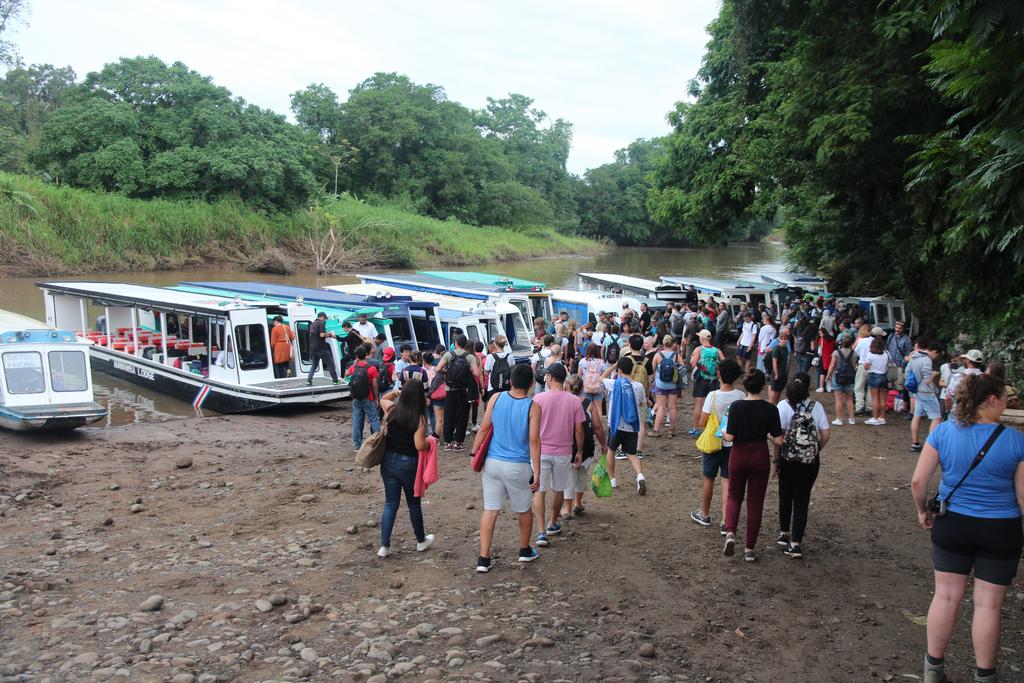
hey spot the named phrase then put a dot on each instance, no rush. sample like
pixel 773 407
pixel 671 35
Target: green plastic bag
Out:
pixel 600 482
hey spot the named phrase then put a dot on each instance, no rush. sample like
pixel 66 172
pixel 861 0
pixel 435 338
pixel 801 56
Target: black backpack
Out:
pixel 359 383
pixel 540 373
pixel 611 355
pixel 501 373
pixel 588 433
pixel 845 372
pixel 458 374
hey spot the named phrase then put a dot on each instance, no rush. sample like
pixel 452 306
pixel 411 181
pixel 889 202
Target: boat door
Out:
pixel 299 319
pixel 474 328
pixel 251 342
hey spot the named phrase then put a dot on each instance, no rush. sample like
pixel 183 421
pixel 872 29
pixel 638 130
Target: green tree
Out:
pixel 11 12
pixel 146 129
pixel 613 197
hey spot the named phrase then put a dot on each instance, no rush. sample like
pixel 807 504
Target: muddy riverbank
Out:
pixel 225 517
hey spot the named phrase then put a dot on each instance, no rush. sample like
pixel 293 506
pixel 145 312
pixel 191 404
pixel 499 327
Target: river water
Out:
pixel 129 403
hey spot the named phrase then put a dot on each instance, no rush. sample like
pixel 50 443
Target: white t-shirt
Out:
pixel 878 363
pixel 765 337
pixel 862 347
pixel 954 381
pixel 721 400
pixel 639 393
pixel 747 336
pixel 597 338
pixel 817 412
pixel 945 377
pixel 366 330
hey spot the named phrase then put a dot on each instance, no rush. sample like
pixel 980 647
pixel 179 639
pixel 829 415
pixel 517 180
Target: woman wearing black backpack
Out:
pixel 842 373
pixel 797 460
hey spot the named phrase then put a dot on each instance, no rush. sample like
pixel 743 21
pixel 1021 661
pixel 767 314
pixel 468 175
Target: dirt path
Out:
pixel 632 591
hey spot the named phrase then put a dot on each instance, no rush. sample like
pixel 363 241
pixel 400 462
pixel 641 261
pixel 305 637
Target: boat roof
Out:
pixel 491 279
pixel 715 285
pixel 594 298
pixel 340 313
pixel 453 303
pixel 10 322
pixel 616 280
pixel 439 285
pixel 284 294
pixel 161 298
pixel 794 279
pixel 326 296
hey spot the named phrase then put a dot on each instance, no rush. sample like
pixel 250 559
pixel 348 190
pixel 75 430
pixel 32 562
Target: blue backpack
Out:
pixel 668 373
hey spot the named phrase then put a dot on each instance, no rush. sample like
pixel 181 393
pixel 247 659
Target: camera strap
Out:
pixel 977 459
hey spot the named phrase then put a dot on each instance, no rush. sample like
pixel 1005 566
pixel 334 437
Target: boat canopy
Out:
pixel 342 312
pixel 159 298
pixel 795 279
pixel 497 282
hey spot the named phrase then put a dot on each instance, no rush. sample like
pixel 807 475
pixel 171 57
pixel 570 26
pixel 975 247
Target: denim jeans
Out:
pixel 363 409
pixel 399 474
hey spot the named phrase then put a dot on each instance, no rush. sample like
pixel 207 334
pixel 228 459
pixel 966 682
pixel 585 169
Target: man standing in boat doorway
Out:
pixel 319 349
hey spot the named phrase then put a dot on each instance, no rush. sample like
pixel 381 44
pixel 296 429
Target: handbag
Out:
pixel 480 453
pixel 600 480
pixel 709 441
pixel 371 453
pixel 936 505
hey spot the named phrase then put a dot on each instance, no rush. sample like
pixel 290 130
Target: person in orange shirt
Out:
pixel 281 338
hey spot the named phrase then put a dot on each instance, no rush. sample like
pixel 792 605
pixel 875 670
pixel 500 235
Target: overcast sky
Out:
pixel 613 68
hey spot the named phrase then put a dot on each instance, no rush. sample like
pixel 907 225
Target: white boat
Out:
pixel 586 306
pixel 652 292
pixel 478 320
pixel 804 281
pixel 45 377
pixel 211 350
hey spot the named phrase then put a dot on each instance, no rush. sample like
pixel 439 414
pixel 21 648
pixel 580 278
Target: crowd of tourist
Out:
pixel 603 388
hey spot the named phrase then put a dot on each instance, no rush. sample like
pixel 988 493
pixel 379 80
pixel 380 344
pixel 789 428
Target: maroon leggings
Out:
pixel 749 471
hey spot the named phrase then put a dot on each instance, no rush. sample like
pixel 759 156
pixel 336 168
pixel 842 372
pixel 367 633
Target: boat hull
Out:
pixel 50 417
pixel 205 394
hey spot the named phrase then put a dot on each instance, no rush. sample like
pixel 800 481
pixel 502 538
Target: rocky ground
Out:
pixel 243 548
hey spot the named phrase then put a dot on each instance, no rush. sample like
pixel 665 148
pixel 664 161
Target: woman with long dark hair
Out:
pixel 806 431
pixel 405 422
pixel 978 524
pixel 752 423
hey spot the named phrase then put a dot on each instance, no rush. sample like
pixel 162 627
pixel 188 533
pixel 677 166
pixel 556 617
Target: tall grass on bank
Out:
pixel 62 231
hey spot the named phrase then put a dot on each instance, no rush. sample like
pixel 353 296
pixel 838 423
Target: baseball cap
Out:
pixel 974 355
pixel 704 334
pixel 877 332
pixel 389 353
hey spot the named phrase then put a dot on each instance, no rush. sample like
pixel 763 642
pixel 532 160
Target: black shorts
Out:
pixel 702 387
pixel 991 546
pixel 778 384
pixel 624 440
pixel 742 351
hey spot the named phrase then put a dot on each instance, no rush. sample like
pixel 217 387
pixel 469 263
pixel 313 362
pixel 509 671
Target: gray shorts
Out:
pixel 555 472
pixel 579 481
pixel 509 481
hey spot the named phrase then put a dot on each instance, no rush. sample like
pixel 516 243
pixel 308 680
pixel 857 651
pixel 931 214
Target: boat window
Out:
pixel 251 342
pixel 426 332
pixel 492 329
pixel 881 314
pixel 67 370
pixel 539 309
pixel 23 371
pixel 473 333
pixel 302 335
pixel 524 308
pixel 897 313
pixel 522 336
pixel 400 330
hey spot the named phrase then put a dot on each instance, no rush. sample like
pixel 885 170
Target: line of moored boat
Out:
pixel 209 342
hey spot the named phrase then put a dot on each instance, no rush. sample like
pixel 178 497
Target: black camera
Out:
pixel 936 506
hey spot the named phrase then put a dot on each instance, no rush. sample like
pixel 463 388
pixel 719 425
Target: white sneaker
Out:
pixel 615 484
pixel 420 547
pixel 819 390
pixel 851 421
pixel 838 421
pixel 879 422
pixel 871 421
pixel 383 552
